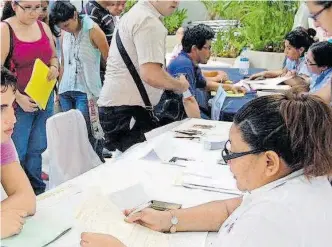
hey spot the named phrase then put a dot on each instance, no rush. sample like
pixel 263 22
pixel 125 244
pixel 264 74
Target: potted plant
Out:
pixel 263 25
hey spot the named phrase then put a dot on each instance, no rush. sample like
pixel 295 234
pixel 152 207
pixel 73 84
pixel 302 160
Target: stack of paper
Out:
pixel 39 88
pixel 269 84
pixel 211 177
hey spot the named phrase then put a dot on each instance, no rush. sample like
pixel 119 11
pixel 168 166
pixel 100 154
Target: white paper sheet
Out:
pixel 130 197
pixel 270 81
pixel 99 214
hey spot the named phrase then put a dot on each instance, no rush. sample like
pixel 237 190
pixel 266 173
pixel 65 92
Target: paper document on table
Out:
pixel 209 177
pixel 130 197
pixel 208 170
pixel 218 185
pixel 170 149
pixel 41 229
pixel 98 214
pixel 269 87
pixel 269 81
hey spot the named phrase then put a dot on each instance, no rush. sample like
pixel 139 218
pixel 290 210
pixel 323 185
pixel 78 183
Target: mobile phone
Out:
pixel 164 206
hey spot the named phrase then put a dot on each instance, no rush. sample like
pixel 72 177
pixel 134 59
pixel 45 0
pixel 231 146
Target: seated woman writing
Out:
pixel 21 200
pixel 297 42
pixel 319 62
pixel 279 151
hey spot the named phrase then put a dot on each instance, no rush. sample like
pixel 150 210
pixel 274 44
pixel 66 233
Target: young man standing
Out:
pixel 123 114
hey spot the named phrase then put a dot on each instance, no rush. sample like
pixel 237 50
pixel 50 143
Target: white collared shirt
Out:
pixel 290 212
pixel 143 36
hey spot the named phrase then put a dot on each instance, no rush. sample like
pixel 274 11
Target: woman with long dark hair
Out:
pixel 23 40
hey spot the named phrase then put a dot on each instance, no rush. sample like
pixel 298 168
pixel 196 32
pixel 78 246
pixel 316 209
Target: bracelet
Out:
pixel 174 222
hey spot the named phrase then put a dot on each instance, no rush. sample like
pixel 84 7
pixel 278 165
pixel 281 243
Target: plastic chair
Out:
pixel 69 150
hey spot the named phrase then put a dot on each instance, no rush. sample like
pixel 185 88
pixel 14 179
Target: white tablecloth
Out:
pixel 138 167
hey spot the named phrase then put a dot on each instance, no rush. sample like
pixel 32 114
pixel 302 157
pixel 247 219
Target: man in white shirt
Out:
pixel 123 114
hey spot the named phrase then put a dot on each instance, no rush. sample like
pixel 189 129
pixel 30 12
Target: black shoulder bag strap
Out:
pixel 11 47
pixel 133 72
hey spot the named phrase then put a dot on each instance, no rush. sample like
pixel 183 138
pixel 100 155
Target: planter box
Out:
pixel 265 60
pixel 171 41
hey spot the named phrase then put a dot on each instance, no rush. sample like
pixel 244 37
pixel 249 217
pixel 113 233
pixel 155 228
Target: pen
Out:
pixel 140 208
pixel 59 236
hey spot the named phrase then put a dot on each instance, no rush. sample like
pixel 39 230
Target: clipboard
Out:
pixel 39 88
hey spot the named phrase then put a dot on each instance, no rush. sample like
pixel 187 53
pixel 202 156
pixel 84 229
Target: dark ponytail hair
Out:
pixel 322 53
pixel 296 127
pixel 7 11
pixel 301 37
pixel 61 11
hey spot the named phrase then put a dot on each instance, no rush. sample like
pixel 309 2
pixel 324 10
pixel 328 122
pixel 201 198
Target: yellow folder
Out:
pixel 39 88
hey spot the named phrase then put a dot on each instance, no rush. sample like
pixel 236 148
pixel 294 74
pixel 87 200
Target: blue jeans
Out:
pixel 78 100
pixel 30 141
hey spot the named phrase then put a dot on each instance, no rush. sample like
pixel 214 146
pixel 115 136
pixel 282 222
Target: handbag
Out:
pixel 170 108
pixel 138 81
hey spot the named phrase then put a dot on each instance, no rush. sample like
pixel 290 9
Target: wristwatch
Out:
pixel 174 221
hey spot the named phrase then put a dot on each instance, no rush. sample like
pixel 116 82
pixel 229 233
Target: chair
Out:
pixel 69 150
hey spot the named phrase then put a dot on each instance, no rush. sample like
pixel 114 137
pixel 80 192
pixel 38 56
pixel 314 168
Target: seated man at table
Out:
pixel 196 43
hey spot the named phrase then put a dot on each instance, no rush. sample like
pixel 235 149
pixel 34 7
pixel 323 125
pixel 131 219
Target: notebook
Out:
pixel 41 229
pixel 39 88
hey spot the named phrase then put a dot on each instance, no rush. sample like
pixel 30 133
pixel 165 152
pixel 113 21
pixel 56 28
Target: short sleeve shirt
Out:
pixel 143 36
pixel 323 79
pixel 183 64
pixel 8 153
pixel 282 214
pixel 299 66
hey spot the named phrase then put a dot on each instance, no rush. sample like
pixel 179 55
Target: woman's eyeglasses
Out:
pixel 29 9
pixel 227 155
pixel 315 16
pixel 307 61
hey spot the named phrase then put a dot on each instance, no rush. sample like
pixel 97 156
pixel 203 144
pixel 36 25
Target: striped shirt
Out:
pixel 102 17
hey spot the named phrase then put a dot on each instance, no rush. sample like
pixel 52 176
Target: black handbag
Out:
pixel 138 81
pixel 170 108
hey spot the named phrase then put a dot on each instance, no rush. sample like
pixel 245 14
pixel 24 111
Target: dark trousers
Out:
pixel 116 122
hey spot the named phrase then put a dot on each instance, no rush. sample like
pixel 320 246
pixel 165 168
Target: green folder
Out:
pixel 40 230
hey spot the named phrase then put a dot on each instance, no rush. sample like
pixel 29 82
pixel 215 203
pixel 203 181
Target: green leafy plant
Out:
pixel 264 24
pixel 228 43
pixel 174 21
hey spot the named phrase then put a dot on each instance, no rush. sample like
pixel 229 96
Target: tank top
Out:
pixel 25 54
